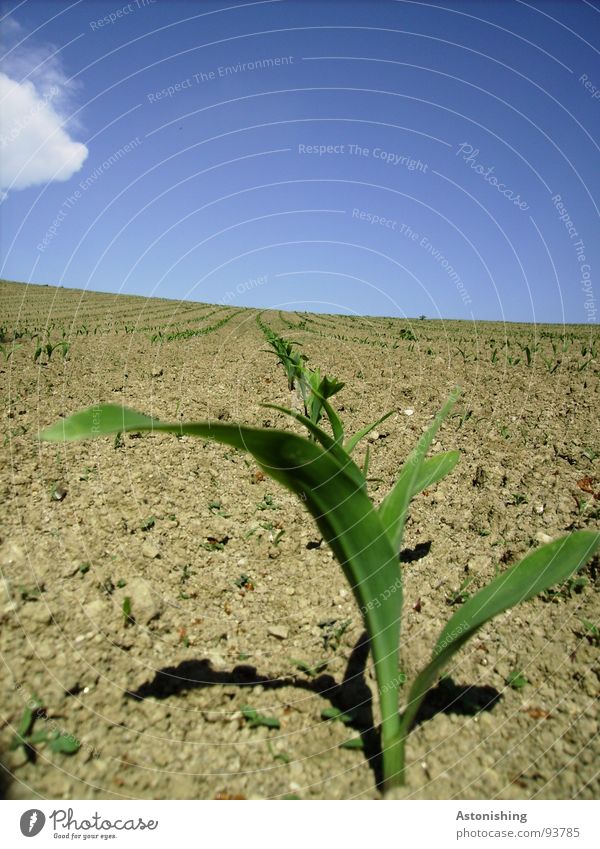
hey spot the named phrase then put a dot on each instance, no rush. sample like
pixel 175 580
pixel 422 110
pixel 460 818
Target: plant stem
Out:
pixel 392 737
pixel 393 762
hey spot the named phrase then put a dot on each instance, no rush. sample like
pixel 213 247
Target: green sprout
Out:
pixel 25 736
pixel 519 498
pixel 292 361
pixel 461 595
pixel 353 743
pixel 366 541
pixel 516 680
pixel 49 349
pixel 257 720
pixel 126 609
pixel 312 389
pixel 311 670
pixel 8 352
pixel 244 582
pixel 592 632
pixel 334 714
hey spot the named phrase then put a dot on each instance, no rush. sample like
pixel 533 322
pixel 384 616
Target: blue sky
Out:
pixel 391 158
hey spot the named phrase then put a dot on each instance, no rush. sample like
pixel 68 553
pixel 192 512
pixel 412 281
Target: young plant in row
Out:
pixel 366 541
pixel 292 361
pixel 311 387
pixel 49 349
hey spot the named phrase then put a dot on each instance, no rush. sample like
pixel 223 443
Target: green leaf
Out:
pixel 516 680
pixel 544 567
pixel 353 743
pixel 310 670
pixel 28 717
pixel 96 421
pixel 365 468
pixel 394 507
pixel 37 737
pixel 354 440
pixel 336 715
pixel 334 420
pixel 319 434
pixel 256 719
pixel 65 743
pixel 126 607
pixel 433 469
pixel 330 386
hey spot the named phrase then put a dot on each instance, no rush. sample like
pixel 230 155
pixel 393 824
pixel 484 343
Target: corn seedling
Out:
pixel 26 737
pixel 312 670
pixel 551 365
pixel 585 364
pixel 291 360
pixel 529 353
pixel 8 352
pixel 516 680
pixel 311 387
pixel 461 595
pixel 126 608
pixel 519 498
pixel 258 720
pixel 592 632
pixel 49 349
pixel 321 389
pixel 366 541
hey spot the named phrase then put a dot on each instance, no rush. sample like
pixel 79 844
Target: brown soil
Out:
pixel 229 584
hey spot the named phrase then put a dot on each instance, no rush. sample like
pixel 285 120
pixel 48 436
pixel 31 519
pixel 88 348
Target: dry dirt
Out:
pixel 227 578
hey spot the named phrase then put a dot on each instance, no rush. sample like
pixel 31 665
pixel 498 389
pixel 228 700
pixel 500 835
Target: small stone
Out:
pixel 39 612
pixel 479 563
pixel 539 509
pixel 409 412
pixel 212 715
pixel 217 661
pixel 11 556
pixel 95 610
pixel 9 610
pixel 373 436
pixel 157 372
pixel 279 631
pixel 542 537
pixel 8 593
pixel 59 493
pixel 150 550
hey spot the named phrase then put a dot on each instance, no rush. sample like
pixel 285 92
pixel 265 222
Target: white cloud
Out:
pixel 35 144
